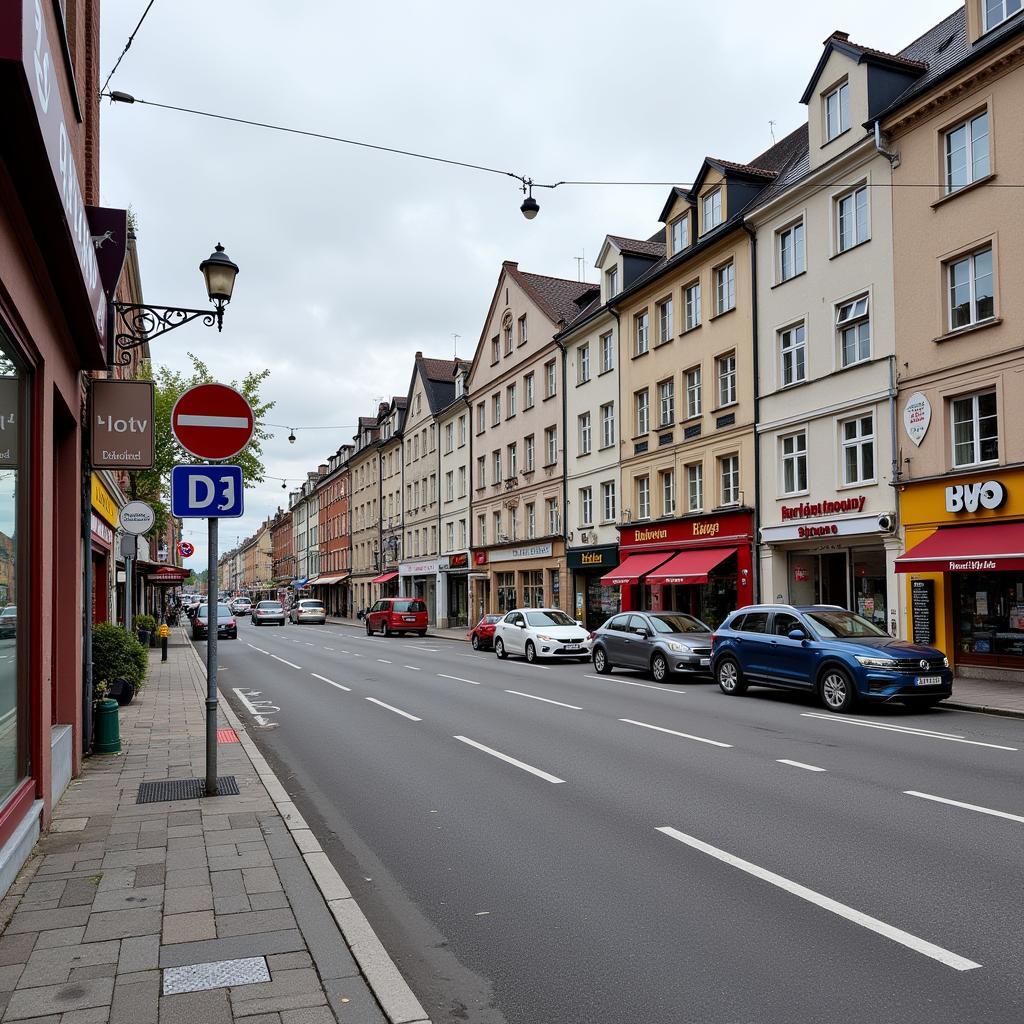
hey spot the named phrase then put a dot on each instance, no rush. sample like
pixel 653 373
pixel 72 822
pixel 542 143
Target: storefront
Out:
pixel 519 576
pixel 332 589
pixel 833 552
pixel 964 566
pixel 103 518
pixel 701 565
pixel 592 602
pixel 453 590
pixel 419 579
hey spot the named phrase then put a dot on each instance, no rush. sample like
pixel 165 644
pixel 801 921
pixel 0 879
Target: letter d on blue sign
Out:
pixel 205 492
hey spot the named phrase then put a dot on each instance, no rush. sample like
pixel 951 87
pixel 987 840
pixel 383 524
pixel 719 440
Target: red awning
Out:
pixel 992 547
pixel 384 577
pixel 691 566
pixel 633 567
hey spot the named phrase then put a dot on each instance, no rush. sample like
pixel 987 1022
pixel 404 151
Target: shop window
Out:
pixel 975 429
pixel 555 584
pixel 533 588
pixel 506 587
pixel 989 622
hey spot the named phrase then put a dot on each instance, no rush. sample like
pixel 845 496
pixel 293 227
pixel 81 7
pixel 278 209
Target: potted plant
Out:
pixel 119 662
pixel 145 626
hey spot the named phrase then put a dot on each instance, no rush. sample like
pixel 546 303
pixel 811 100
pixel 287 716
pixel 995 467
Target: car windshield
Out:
pixel 409 606
pixel 843 625
pixel 551 618
pixel 271 605
pixel 223 611
pixel 677 624
pixel 9 612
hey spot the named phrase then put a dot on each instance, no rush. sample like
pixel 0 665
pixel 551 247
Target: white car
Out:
pixel 541 633
pixel 241 606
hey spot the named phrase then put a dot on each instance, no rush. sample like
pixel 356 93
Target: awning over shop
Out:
pixel 312 581
pixel 632 568
pixel 989 548
pixel 384 577
pixel 690 566
pixel 164 574
pixel 329 581
pixel 299 584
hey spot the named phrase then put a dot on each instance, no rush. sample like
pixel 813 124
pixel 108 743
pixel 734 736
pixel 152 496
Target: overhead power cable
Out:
pixel 127 45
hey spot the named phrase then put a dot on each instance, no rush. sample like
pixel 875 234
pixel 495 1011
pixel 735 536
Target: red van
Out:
pixel 397 615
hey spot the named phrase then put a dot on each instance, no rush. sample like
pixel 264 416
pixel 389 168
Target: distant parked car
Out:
pixel 9 622
pixel 308 611
pixel 227 627
pixel 482 634
pixel 397 615
pixel 268 613
pixel 541 633
pixel 241 606
pixel 661 643
pixel 827 650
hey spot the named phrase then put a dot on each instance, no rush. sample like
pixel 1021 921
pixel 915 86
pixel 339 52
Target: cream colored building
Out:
pixel 454 563
pixel 364 467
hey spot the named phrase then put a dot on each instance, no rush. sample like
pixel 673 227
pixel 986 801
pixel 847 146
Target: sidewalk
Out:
pixel 440 634
pixel 187 911
pixel 997 696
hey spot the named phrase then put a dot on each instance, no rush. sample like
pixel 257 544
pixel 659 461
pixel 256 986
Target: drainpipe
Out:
pixel 895 473
pixel 755 569
pixel 893 158
pixel 87 585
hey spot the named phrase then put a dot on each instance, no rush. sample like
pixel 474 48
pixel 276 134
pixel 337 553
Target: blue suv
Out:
pixel 828 650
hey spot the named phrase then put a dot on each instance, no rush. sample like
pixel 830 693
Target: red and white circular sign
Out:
pixel 212 421
pixel 186 549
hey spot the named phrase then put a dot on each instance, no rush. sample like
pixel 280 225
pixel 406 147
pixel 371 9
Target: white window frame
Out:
pixel 975 421
pixel 679 233
pixel 691 302
pixel 449 485
pixel 529 387
pixel 523 336
pixel 497 460
pixel 462 430
pixel 793 463
pixel 841 94
pixel 586 506
pixel 513 460
pixel 495 409
pixel 668 492
pixel 695 487
pixel 551 445
pixel 694 386
pixel 495 349
pixel 852 316
pixel 854 197
pixel 793 354
pixel 858 443
pixel 1004 10
pixel 585 432
pixel 511 395
pixel 665 326
pixel 462 481
pixel 725 366
pixel 973 138
pixel 791 251
pixel 642 412
pixel 611 282
pixel 509 340
pixel 607 352
pixel 666 402
pixel 725 287
pixel 531 519
pixel 643 497
pixel 583 363
pixel 608 425
pixel 553 519
pixel 481 471
pixel 641 333
pixel 729 478
pixel 530 459
pixel 711 210
pixel 449 438
pixel 550 379
pixel 608 504
pixel 971 259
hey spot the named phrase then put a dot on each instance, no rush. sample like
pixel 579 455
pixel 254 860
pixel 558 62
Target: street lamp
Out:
pixel 137 324
pixel 530 207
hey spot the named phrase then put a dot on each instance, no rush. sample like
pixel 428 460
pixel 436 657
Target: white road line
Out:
pixel 331 649
pixel 290 664
pixel 458 679
pixel 411 668
pixel 905 731
pixel 629 682
pixel 545 699
pixel 944 956
pixel 511 760
pixel 969 807
pixel 800 764
pixel 384 661
pixel 477 656
pixel 397 711
pixel 255 648
pixel 324 679
pixel 260 720
pixel 672 732
pixel 892 725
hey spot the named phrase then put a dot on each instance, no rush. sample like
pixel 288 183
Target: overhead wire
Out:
pixel 127 46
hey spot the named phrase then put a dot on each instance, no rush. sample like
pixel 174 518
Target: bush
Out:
pixel 146 622
pixel 116 655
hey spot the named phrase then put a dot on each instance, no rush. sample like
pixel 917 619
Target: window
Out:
pixel 552 508
pixel 585 433
pixel 530 455
pixel 607 352
pixel 586 506
pixel 666 402
pixel 495 349
pixel 975 429
pixel 641 333
pixel 513 526
pixel 551 445
pixel 729 474
pixel 611 281
pixel 726 379
pixel 679 230
pixel 496 523
pixel 462 430
pixel 694 487
pixel 837 111
pixel 725 288
pixel 967 156
pixel 449 437
pixel 481 417
pixel 793 353
pixel 794 463
pixel 791 251
pixel 642 403
pixel 712 209
pixel 462 481
pixel 522 330
pixel 852 219
pixel 668 493
pixel 691 294
pixel 854 328
pixel 608 425
pixel 462 533
pixel 664 321
pixel 997 11
pixel 531 519
pixel 608 501
pixel 496 457
pixel 449 486
pixel 550 380
pixel 508 337
pixel 692 392
pixel 528 388
pixel 481 529
pixel 513 460
pixel 858 441
pixel 449 536
pixel 481 471
pixel 970 290
pixel 583 364
pixel 495 409
pixel 510 401
pixel 643 497
pixel 533 588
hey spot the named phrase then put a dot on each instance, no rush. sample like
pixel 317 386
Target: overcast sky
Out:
pixel 352 260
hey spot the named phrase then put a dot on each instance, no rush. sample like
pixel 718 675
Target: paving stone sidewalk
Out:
pixel 118 892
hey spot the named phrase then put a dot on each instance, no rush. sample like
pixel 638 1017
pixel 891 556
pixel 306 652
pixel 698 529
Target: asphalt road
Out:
pixel 540 845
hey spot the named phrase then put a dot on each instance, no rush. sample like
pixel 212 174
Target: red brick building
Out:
pixel 282 551
pixel 335 566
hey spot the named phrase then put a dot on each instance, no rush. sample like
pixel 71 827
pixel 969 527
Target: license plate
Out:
pixel 409 618
pixel 705 662
pixel 928 681
pixel 574 647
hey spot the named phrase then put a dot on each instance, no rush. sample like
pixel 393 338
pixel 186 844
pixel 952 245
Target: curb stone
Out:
pixel 984 709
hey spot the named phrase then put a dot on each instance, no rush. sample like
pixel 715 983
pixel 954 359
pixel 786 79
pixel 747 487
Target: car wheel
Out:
pixel 385 628
pixel 836 690
pixel 730 677
pixel 531 652
pixel 659 668
pixel 476 642
pixel 499 648
pixel 422 633
pixel 369 632
pixel 601 663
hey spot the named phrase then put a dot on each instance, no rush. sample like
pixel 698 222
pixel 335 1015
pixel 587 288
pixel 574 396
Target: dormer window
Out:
pixel 679 231
pixel 997 11
pixel 837 111
pixel 611 281
pixel 712 209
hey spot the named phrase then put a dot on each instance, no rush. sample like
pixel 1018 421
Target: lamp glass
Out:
pixel 220 273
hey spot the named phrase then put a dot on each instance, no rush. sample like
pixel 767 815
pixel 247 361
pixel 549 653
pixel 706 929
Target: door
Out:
pixel 753 644
pixel 833 588
pixel 514 633
pixel 789 660
pixel 637 643
pixel 614 639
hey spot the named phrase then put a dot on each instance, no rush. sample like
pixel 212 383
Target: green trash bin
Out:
pixel 106 727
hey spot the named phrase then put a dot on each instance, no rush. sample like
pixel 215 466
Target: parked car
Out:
pixel 657 642
pixel 827 650
pixel 308 611
pixel 268 613
pixel 9 622
pixel 397 615
pixel 482 634
pixel 541 633
pixel 241 606
pixel 227 626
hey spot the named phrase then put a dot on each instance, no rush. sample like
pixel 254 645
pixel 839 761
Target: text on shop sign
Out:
pixel 808 509
pixel 969 497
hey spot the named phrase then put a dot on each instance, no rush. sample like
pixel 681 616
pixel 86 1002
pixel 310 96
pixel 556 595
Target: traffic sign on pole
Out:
pixel 186 548
pixel 206 492
pixel 212 421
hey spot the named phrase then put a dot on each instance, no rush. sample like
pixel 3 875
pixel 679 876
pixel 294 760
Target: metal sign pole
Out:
pixel 128 562
pixel 211 659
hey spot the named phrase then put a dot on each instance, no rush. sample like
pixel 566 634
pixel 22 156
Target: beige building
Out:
pixel 364 467
pixel 516 390
pixel 454 562
pixel 392 474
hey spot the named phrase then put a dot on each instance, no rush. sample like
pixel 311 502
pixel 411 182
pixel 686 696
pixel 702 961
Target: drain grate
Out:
pixel 218 974
pixel 183 789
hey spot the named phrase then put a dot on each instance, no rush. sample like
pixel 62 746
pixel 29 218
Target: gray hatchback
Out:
pixel 657 642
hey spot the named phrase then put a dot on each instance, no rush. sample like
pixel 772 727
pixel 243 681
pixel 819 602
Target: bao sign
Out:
pixel 212 421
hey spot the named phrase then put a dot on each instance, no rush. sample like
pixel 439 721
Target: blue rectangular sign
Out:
pixel 206 492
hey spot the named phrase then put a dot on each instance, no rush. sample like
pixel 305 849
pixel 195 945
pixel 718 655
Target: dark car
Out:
pixel 397 615
pixel 661 643
pixel 9 622
pixel 227 627
pixel 827 650
pixel 482 634
pixel 267 613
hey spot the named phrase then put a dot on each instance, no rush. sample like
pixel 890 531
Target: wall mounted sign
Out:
pixel 136 517
pixel 810 509
pixel 917 415
pixel 970 497
pixel 850 526
pixel 732 525
pixel 121 424
pixel 922 610
pixel 522 551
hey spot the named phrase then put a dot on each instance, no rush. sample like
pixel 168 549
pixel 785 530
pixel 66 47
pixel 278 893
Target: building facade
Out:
pixel 454 564
pixel 332 584
pixel 282 551
pixel 391 537
pixel 364 472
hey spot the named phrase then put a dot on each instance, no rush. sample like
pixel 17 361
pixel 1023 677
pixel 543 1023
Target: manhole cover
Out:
pixel 218 974
pixel 183 789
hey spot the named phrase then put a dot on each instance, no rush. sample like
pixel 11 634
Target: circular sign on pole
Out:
pixel 212 421
pixel 136 517
pixel 186 549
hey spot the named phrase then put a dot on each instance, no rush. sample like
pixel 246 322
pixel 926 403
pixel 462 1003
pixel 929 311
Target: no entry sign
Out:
pixel 212 421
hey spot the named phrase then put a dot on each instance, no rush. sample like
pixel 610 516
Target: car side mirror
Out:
pixel 797 634
pixel 521 625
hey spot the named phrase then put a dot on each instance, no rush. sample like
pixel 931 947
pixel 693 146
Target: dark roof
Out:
pixel 438 376
pixel 841 41
pixel 747 169
pixel 638 247
pixel 556 296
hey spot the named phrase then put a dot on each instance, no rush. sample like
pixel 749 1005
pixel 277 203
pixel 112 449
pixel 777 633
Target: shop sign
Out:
pixel 523 551
pixel 810 509
pixel 428 568
pixel 852 526
pixel 121 424
pixel 968 497
pixel 593 558
pixel 801 574
pixel 707 528
pixel 103 502
pixel 456 561
pixel 922 611
pixel 917 415
pixel 101 531
pixel 479 557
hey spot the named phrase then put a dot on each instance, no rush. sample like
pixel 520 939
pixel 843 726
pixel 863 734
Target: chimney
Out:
pixel 419 355
pixel 322 469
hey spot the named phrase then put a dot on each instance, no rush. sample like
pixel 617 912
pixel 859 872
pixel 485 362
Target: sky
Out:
pixel 352 260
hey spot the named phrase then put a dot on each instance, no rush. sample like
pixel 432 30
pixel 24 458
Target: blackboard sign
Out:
pixel 922 610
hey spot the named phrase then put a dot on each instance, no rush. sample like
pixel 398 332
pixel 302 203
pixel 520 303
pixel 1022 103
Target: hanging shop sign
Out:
pixel 970 497
pixel 121 424
pixel 459 560
pixel 103 501
pixel 917 415
pixel 136 517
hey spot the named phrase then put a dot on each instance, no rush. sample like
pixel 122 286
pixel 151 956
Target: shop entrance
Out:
pixel 819 578
pixel 988 618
